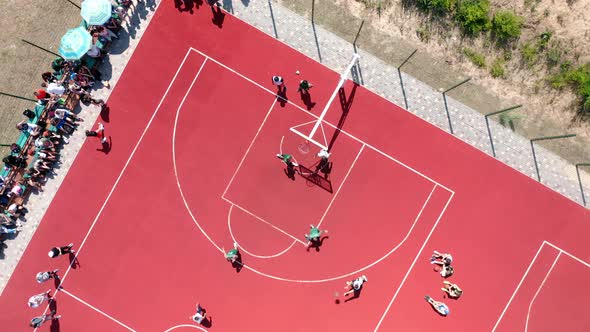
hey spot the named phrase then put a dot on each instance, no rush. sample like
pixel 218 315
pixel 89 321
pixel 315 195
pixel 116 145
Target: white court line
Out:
pixel 526 325
pixel 174 159
pixel 95 309
pixel 567 253
pixel 518 287
pixel 262 220
pixel 247 150
pixel 561 251
pixel 414 262
pixel 186 325
pixel 79 249
pixel 342 184
pixel 231 233
pixel 326 122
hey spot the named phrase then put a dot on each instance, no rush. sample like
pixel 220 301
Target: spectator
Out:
pixel 42 277
pixel 30 128
pixel 452 290
pixel 58 251
pixel 39 320
pixel 54 88
pixel 36 300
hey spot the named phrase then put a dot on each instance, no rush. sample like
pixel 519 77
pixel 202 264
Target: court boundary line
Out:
pixel 401 284
pixel 526 325
pixel 95 309
pixel 544 243
pixel 316 117
pixel 231 233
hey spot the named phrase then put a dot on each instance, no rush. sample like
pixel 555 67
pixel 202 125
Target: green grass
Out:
pixel 476 58
pixel 497 69
pixel 577 78
pixel 530 54
pixel 472 16
pixel 506 26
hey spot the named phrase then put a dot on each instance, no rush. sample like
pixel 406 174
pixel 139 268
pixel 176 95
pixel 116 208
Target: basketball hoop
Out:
pixel 303 147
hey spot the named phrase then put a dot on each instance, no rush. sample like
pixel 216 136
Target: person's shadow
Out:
pixel 290 172
pixel 104 114
pixel 218 14
pixel 317 244
pixel 306 98
pixel 54 322
pixel 282 96
pixel 355 295
pixel 106 146
pixel 74 262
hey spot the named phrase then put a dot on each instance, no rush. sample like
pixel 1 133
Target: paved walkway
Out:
pixel 315 42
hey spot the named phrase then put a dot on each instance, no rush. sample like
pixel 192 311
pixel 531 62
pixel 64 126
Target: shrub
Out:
pixel 497 69
pixel 529 54
pixel 472 16
pixel 553 57
pixel 506 25
pixel 578 78
pixel 476 58
pixel 440 7
pixel 423 33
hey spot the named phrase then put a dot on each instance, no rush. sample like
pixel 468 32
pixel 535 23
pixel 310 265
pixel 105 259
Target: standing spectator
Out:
pixel 200 315
pixel 58 251
pixel 355 286
pixel 36 300
pixel 42 277
pixel 39 320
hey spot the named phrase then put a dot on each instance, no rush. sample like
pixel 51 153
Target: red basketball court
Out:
pixel 196 124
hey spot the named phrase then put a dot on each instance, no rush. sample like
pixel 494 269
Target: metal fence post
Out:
pixel 41 48
pixel 18 97
pixel 545 138
pixel 580 180
pixel 401 80
pixel 445 100
pixel 486 116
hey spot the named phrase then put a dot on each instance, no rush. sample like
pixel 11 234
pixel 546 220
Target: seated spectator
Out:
pixel 48 77
pixel 441 259
pixel 30 128
pixel 62 113
pixel 94 52
pixel 63 126
pixel 41 95
pixel 452 290
pixel 54 88
pixel 440 307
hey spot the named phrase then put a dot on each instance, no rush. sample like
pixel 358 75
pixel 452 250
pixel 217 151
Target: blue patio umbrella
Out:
pixel 75 43
pixel 96 12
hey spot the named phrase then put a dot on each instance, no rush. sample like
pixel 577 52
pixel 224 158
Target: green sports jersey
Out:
pixel 231 253
pixel 314 232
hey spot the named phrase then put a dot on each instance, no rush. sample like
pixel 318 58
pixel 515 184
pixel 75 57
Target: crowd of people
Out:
pixel 46 128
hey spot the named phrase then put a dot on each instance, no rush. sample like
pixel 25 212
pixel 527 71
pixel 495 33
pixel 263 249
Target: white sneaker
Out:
pixel 103 140
pixel 66 140
pixel 100 126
